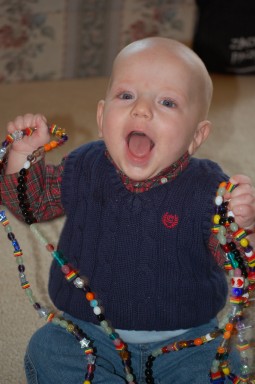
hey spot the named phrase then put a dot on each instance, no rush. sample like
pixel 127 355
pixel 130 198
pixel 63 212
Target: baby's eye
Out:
pixel 125 96
pixel 168 103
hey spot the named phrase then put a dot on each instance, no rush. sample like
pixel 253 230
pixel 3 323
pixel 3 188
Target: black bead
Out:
pixel 26 212
pixel 23 205
pixel 232 245
pixel 22 196
pixel 21 187
pixel 100 317
pixel 148 372
pixel 21 179
pixel 222 211
pixel 30 220
pixel 21 268
pixel 149 380
pixel 36 306
pixel 245 273
pixel 23 172
pixel 11 236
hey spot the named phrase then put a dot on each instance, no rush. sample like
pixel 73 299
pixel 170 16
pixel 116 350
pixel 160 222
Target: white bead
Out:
pixel 230 214
pixel 2 152
pixel 79 283
pixel 218 200
pixel 84 343
pixel 17 135
pixel 27 164
pixel 208 337
pixel 163 180
pixel 97 310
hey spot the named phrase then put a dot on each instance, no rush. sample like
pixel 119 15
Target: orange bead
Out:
pixel 227 335
pixel 229 327
pixel 198 341
pixel 53 144
pixel 223 184
pixel 47 147
pixel 221 350
pixel 90 296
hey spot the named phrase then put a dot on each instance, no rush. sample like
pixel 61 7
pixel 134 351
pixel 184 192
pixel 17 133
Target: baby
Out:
pixel 138 210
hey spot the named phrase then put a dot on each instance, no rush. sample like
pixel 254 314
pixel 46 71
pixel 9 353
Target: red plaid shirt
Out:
pixel 44 186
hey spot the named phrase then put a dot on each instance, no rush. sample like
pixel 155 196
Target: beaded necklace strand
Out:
pixel 242 272
pixel 243 282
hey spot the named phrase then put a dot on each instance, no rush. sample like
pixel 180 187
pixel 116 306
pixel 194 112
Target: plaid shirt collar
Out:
pixel 166 175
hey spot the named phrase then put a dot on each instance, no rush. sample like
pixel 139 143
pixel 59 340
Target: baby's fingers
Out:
pixel 28 120
pixel 244 215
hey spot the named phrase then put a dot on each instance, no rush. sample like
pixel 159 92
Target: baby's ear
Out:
pixel 201 133
pixel 100 113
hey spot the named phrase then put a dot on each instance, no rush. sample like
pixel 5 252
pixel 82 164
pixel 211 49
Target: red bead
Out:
pixel 225 248
pixel 164 350
pixel 50 247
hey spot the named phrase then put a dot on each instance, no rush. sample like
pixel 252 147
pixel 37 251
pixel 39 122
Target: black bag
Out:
pixel 225 35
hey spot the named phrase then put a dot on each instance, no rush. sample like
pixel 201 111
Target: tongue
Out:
pixel 139 145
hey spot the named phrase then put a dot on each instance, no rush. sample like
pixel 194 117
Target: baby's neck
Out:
pixel 166 175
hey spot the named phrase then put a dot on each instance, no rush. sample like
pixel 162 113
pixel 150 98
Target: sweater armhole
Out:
pixel 77 164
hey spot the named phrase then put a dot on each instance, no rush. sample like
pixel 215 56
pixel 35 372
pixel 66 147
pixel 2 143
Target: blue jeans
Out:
pixel 54 356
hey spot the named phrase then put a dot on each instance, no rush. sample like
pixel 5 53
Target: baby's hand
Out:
pixel 29 143
pixel 21 149
pixel 242 201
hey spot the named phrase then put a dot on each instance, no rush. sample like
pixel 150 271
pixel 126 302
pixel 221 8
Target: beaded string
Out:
pixel 18 135
pixel 242 272
pixel 70 273
pixel 43 312
pixel 11 137
pixel 216 375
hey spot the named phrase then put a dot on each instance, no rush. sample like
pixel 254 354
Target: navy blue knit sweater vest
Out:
pixel 146 255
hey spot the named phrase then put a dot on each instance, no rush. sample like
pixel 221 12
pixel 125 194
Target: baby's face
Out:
pixel 151 112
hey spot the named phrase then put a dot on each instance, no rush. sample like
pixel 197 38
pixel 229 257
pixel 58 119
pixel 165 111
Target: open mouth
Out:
pixel 139 144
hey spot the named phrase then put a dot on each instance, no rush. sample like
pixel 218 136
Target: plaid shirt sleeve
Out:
pixel 216 251
pixel 43 191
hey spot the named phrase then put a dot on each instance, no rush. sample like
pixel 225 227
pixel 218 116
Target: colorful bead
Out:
pixel 71 275
pixel 90 296
pixel 230 187
pixel 239 234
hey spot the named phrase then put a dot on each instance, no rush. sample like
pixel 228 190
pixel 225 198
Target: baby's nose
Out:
pixel 142 109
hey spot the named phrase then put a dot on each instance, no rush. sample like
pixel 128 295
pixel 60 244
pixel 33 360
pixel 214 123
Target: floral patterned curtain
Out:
pixel 47 40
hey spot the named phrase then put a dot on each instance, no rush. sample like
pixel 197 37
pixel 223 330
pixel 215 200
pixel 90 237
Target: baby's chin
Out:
pixel 139 174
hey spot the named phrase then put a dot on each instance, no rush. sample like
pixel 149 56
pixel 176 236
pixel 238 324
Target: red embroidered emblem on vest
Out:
pixel 169 220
